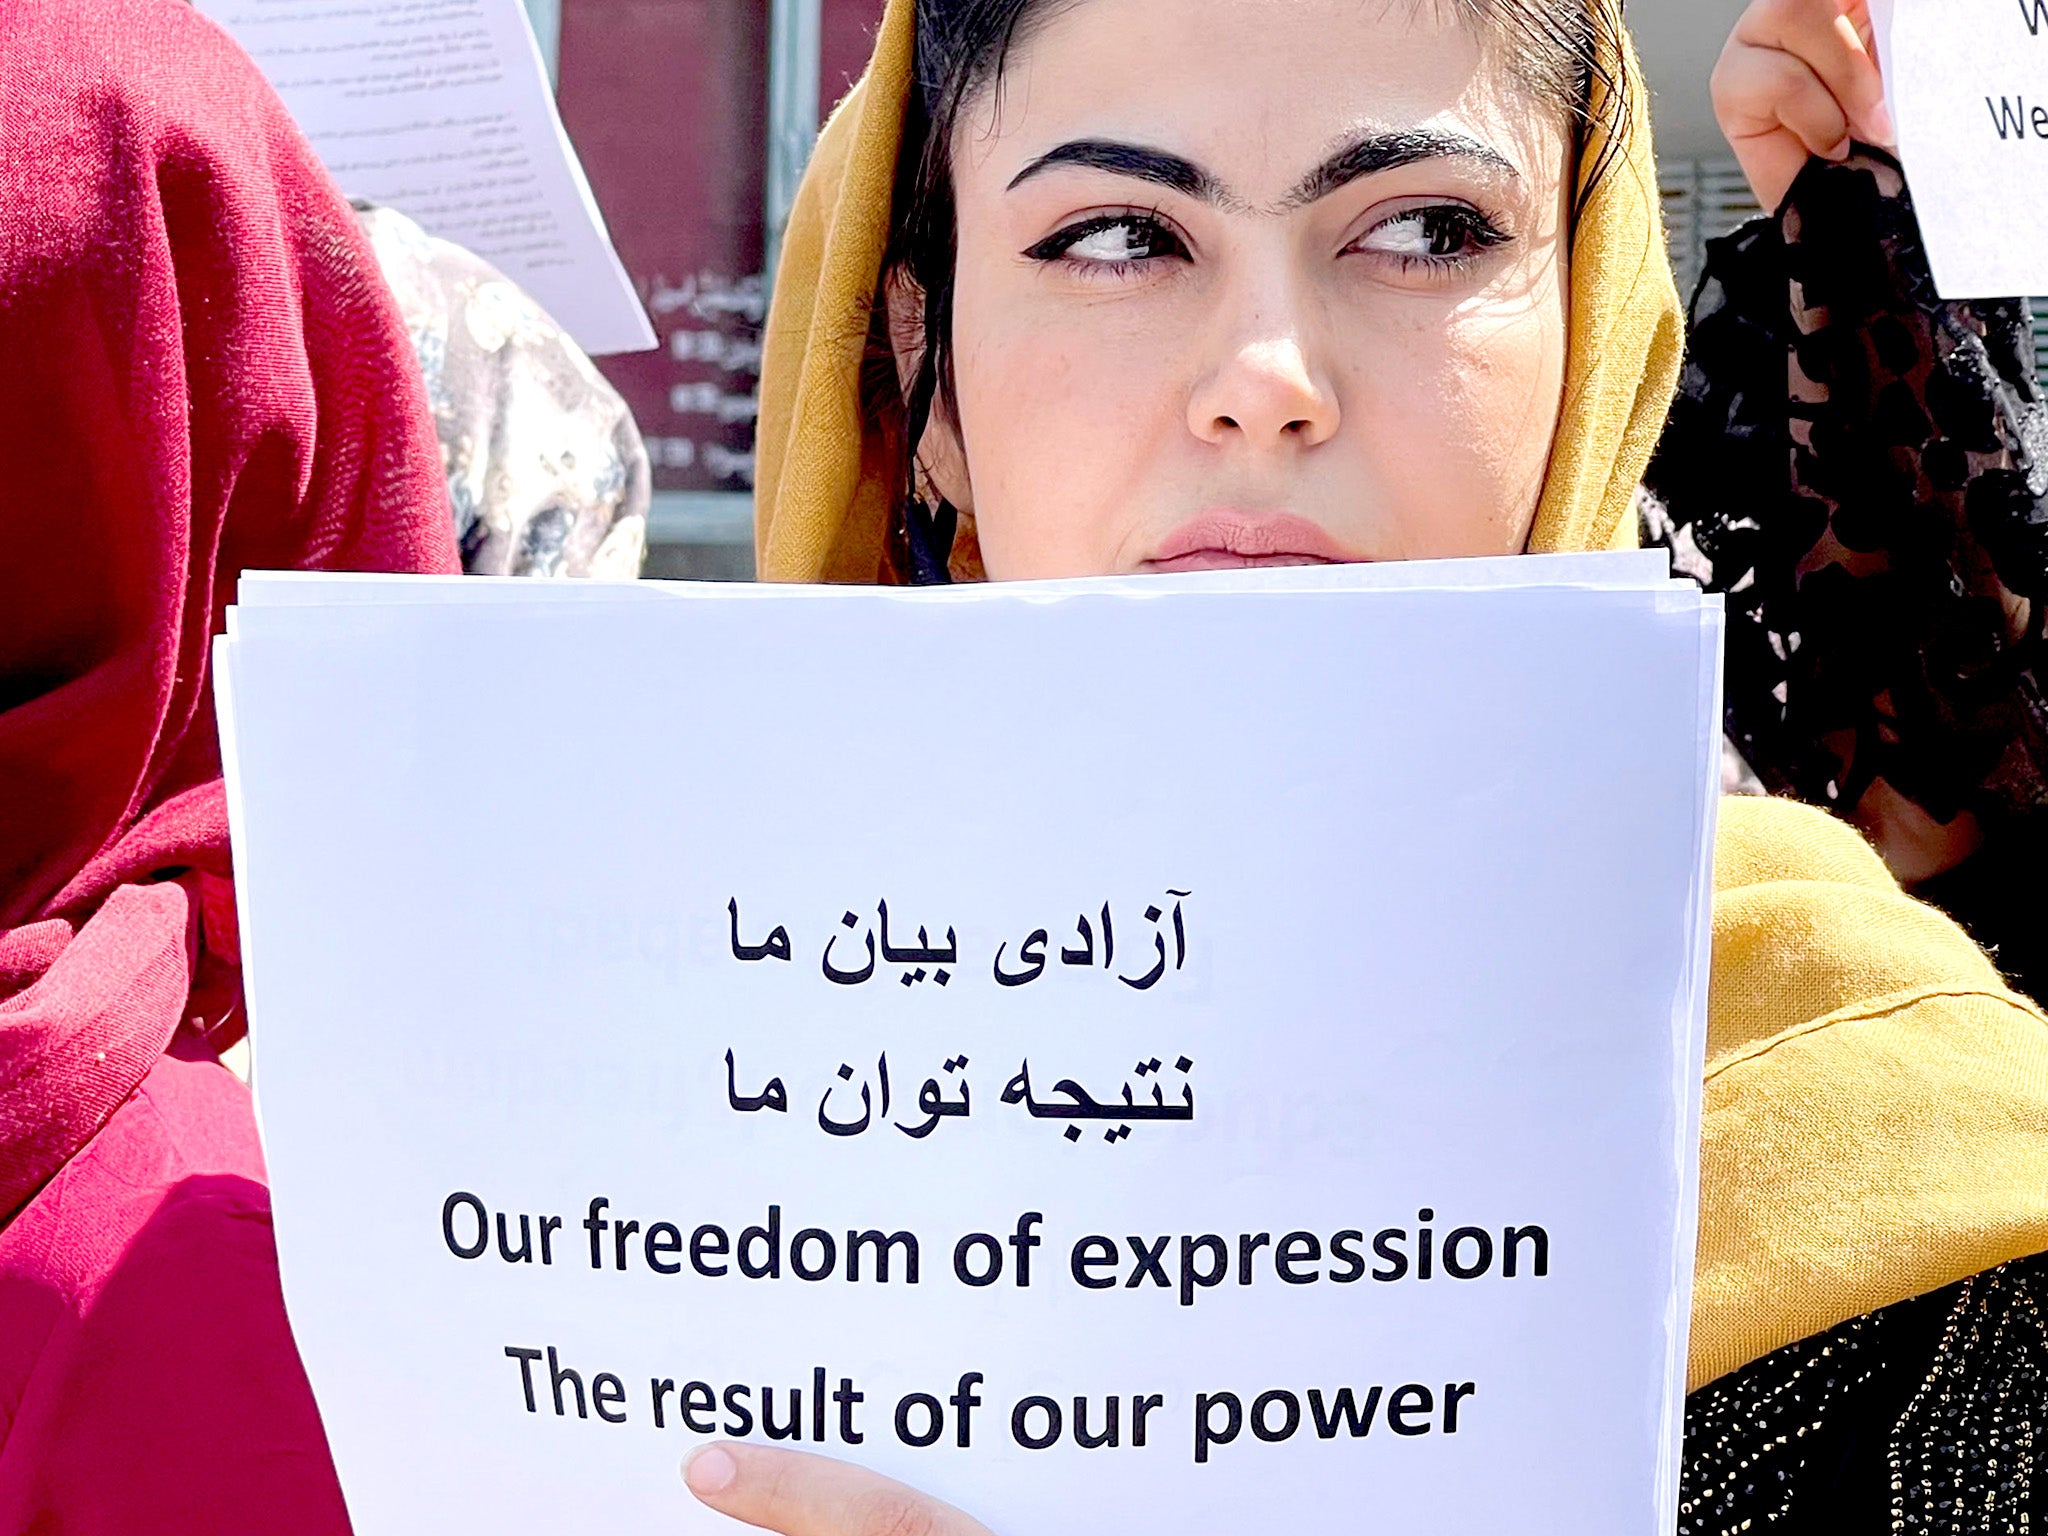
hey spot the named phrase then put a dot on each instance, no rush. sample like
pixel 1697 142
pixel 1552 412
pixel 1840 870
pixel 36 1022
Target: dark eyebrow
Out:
pixel 1387 151
pixel 1362 156
pixel 1153 165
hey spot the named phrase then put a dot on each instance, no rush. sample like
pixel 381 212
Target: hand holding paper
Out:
pixel 799 1494
pixel 1799 78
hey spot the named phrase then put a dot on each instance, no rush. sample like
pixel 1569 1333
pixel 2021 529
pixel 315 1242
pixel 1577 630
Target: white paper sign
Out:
pixel 441 109
pixel 1967 83
pixel 1191 1059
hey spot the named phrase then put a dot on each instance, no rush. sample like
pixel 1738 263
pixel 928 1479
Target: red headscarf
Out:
pixel 200 372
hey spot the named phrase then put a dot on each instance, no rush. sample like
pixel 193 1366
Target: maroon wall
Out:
pixel 848 37
pixel 666 102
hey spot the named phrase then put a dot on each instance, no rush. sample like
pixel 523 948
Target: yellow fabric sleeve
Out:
pixel 1876 1114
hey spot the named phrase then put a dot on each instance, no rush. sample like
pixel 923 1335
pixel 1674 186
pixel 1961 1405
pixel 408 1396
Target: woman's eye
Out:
pixel 1439 235
pixel 1115 241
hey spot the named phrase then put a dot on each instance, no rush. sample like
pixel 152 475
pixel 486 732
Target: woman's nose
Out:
pixel 1264 393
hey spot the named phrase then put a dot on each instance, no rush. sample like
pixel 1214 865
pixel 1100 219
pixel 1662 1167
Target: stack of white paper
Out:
pixel 1190 1053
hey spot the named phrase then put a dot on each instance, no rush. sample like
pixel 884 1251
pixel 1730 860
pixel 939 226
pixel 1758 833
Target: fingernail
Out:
pixel 710 1471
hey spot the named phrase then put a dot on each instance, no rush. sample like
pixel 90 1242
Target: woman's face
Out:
pixel 1253 281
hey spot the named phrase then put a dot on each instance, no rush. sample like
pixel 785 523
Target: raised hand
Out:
pixel 1799 78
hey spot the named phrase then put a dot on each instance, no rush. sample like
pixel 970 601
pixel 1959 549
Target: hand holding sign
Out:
pixel 1799 78
pixel 799 1494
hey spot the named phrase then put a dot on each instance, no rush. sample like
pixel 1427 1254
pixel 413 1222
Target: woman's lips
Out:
pixel 1224 541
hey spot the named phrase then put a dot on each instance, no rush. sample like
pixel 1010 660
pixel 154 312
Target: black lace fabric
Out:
pixel 1862 469
pixel 1927 1417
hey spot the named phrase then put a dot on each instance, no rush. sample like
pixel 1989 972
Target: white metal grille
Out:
pixel 1702 199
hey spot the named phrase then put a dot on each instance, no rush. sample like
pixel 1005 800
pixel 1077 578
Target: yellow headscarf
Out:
pixel 1876 1116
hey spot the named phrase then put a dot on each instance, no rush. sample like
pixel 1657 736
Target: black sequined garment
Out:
pixel 1926 1417
pixel 1863 470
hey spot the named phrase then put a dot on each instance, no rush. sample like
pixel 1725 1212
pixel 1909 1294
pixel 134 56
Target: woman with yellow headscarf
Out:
pixel 1081 287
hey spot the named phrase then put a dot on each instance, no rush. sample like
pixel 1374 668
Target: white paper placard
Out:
pixel 1967 84
pixel 442 110
pixel 1443 950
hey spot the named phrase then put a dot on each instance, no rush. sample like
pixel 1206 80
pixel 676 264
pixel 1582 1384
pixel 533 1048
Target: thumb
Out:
pixel 799 1494
pixel 1875 117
